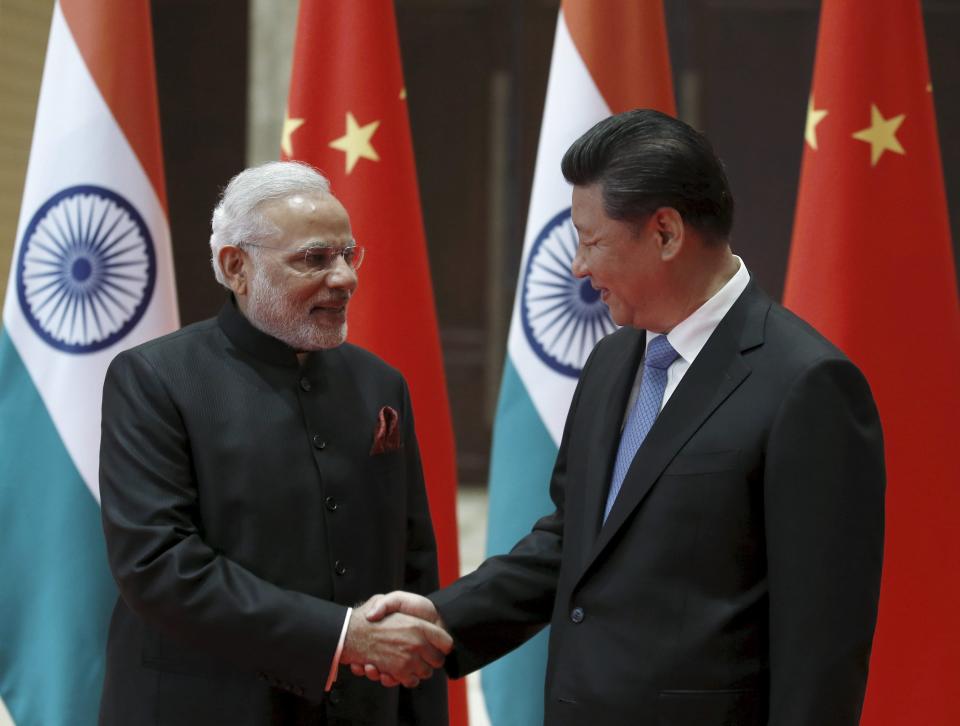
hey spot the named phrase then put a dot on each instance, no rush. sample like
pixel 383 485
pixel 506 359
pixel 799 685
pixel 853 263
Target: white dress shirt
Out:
pixel 689 336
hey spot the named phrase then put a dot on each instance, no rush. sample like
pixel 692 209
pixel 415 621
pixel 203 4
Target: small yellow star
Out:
pixel 881 134
pixel 814 116
pixel 289 126
pixel 356 142
pixel 403 94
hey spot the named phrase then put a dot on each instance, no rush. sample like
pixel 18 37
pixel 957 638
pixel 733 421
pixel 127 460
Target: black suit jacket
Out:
pixel 243 511
pixel 736 579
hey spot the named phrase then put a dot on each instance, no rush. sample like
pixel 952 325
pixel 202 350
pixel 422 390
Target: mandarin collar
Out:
pixel 246 336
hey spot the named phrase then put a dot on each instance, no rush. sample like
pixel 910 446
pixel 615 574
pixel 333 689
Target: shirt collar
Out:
pixel 690 335
pixel 246 336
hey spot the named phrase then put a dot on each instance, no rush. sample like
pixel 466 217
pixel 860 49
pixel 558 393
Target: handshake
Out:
pixel 396 639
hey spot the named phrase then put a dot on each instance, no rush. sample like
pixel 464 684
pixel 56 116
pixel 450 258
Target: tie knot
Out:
pixel 660 354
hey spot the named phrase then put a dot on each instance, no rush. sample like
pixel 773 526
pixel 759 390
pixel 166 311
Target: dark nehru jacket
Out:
pixel 243 512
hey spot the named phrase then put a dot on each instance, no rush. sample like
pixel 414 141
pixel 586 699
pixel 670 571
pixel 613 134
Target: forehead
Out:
pixel 304 217
pixel 587 207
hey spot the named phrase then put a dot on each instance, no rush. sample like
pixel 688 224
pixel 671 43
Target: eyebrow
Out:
pixel 324 245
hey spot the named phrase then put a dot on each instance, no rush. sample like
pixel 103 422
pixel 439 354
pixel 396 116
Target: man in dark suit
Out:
pixel 715 553
pixel 258 476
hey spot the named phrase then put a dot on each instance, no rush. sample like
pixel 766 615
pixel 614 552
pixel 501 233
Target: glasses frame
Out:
pixel 358 250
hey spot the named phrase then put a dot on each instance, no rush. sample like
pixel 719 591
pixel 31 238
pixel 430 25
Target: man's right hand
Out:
pixel 402 648
pixel 392 605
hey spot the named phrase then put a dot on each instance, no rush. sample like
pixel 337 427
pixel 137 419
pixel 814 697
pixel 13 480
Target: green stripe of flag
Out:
pixel 521 463
pixel 56 592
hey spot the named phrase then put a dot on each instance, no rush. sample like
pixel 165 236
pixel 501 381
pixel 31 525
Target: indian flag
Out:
pixel 607 58
pixel 91 275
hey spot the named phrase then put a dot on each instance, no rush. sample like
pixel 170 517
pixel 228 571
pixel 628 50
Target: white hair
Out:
pixel 237 218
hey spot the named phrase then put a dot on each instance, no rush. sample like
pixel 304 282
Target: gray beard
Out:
pixel 270 312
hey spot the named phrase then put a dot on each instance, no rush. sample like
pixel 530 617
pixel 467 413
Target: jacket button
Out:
pixel 339 568
pixel 331 503
pixel 576 615
pixel 318 442
pixel 305 384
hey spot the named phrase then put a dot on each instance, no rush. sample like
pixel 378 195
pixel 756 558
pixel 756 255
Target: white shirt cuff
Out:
pixel 335 666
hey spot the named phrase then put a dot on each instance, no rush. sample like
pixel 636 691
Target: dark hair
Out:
pixel 644 159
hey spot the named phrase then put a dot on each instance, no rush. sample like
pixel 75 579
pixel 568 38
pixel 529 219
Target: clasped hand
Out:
pixel 396 639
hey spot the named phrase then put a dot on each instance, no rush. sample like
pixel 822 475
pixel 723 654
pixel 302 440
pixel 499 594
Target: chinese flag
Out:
pixel 347 116
pixel 871 266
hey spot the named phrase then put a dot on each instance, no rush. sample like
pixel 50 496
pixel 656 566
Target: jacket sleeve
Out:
pixel 510 597
pixel 823 498
pixel 426 704
pixel 167 573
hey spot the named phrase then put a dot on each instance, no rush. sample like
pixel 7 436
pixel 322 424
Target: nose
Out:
pixel 341 276
pixel 579 266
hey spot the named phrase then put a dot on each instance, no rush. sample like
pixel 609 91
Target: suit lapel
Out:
pixel 717 371
pixel 611 404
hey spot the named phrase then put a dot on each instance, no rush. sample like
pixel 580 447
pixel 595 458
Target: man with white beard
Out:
pixel 259 476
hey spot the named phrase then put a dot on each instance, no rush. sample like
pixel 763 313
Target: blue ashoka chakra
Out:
pixel 563 317
pixel 86 269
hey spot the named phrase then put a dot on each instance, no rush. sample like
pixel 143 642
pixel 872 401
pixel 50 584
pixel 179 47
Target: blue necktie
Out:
pixel 660 354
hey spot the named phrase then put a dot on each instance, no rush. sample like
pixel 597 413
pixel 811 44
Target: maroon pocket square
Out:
pixel 386 436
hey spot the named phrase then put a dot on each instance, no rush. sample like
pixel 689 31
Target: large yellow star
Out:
pixel 814 116
pixel 289 126
pixel 881 134
pixel 356 142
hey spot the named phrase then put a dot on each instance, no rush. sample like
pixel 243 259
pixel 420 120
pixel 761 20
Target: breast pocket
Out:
pixel 717 493
pixel 708 462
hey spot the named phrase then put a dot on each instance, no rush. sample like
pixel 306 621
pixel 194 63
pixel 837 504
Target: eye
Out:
pixel 318 257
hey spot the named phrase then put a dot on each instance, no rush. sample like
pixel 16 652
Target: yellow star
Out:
pixel 356 142
pixel 403 93
pixel 881 134
pixel 814 116
pixel 289 126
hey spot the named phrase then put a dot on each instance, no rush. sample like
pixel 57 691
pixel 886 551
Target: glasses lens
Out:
pixel 318 259
pixel 353 256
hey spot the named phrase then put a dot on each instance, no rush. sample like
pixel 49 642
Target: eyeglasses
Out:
pixel 319 259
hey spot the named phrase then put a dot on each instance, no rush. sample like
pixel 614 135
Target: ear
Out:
pixel 236 269
pixel 669 228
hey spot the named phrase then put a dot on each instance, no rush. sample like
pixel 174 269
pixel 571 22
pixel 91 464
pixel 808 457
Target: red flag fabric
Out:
pixel 871 266
pixel 347 116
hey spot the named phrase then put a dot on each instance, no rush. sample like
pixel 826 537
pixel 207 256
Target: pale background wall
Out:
pixel 24 26
pixel 272 28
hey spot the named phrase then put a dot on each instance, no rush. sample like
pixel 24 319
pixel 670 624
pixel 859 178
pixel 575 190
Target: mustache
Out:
pixel 335 300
